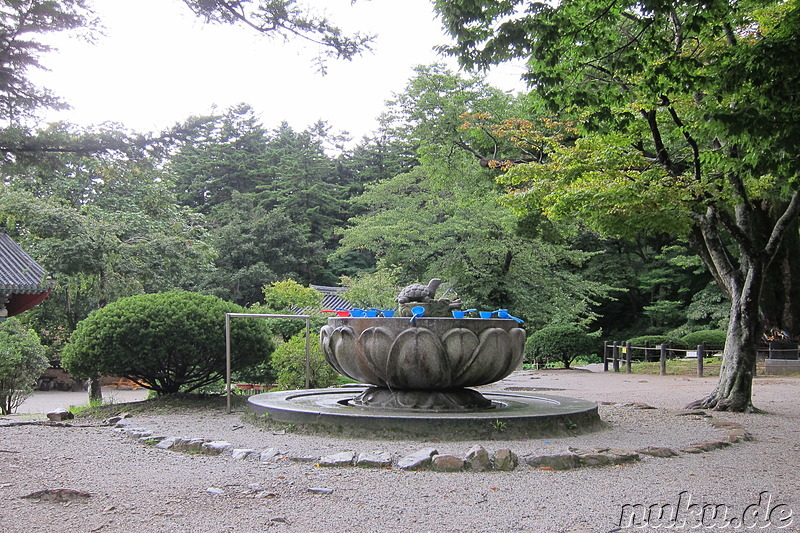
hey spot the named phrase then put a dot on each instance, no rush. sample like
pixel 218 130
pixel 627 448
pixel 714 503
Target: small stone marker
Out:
pixel 477 459
pixel 447 463
pixel 505 460
pixel 166 444
pixel 374 460
pixel 657 451
pixel 319 490
pixel 58 495
pixel 564 461
pixel 303 458
pixel 338 459
pixel 242 453
pixel 268 455
pixel 182 444
pixel 417 460
pixel 59 415
pixel 216 447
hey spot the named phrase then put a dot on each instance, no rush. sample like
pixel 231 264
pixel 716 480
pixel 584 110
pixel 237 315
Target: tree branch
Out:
pixel 661 150
pixel 708 243
pixel 780 226
pixel 689 139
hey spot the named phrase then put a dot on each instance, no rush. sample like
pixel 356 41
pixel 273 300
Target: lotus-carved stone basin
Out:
pixel 429 355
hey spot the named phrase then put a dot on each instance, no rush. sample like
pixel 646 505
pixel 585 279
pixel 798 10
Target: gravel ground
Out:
pixel 141 488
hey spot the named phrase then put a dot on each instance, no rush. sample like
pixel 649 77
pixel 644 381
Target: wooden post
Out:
pixel 605 356
pixel 628 357
pixel 701 352
pixel 663 359
pixel 615 362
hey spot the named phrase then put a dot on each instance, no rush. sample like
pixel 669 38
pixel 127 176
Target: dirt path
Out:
pixel 141 488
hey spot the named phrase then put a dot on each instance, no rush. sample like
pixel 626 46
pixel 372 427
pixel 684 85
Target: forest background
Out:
pixel 220 204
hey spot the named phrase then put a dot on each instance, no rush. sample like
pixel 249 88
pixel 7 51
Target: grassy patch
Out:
pixel 172 404
pixel 78 410
pixel 676 367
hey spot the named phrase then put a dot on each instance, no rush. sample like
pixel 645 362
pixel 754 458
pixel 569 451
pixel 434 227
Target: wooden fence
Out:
pixel 618 353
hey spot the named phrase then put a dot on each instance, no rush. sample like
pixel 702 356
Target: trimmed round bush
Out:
pixel 22 361
pixel 167 342
pixel 714 339
pixel 561 343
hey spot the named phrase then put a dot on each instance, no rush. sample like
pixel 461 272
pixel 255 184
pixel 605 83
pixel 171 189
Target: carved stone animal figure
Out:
pixel 418 292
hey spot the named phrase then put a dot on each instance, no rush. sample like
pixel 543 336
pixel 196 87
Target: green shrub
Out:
pixel 22 361
pixel 289 364
pixel 653 341
pixel 714 339
pixel 656 340
pixel 168 342
pixel 562 343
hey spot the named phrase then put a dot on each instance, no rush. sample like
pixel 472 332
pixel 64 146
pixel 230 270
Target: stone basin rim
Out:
pixel 508 403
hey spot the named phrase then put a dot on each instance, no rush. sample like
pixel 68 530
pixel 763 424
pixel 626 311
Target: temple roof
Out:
pixel 18 272
pixel 331 297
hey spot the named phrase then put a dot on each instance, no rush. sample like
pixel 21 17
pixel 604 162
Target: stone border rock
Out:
pixel 477 459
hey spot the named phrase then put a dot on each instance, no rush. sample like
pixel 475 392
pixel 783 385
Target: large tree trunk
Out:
pixel 742 277
pixel 95 391
pixel 735 386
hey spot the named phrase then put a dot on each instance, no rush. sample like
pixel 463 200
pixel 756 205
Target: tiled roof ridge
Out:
pixel 18 270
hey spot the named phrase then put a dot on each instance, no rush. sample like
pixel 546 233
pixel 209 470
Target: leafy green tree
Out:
pixel 421 231
pixel 220 155
pixel 684 129
pixel 287 298
pixel 431 112
pixel 103 225
pixel 22 361
pixel 279 192
pixel 560 342
pixel 444 218
pixel 281 296
pixel 102 228
pixel 256 246
pixel 167 342
pixel 373 289
pixel 306 182
pixel 289 365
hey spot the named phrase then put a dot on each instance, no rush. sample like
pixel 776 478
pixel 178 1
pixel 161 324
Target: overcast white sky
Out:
pixel 158 64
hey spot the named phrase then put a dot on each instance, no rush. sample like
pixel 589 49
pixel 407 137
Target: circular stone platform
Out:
pixel 513 415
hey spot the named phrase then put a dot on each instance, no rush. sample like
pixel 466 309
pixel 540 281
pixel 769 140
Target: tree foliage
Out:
pixel 682 113
pixel 167 342
pixel 23 24
pixel 289 364
pixel 103 227
pixel 560 342
pixel 377 289
pixel 285 19
pixel 445 219
pixel 22 361
pixel 281 296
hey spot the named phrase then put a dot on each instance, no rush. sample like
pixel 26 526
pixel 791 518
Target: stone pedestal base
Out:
pixel 453 400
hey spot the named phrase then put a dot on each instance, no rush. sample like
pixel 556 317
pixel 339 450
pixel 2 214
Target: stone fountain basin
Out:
pixel 428 354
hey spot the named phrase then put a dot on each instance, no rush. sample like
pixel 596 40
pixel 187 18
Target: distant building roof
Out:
pixel 18 272
pixel 332 297
pixel 20 279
